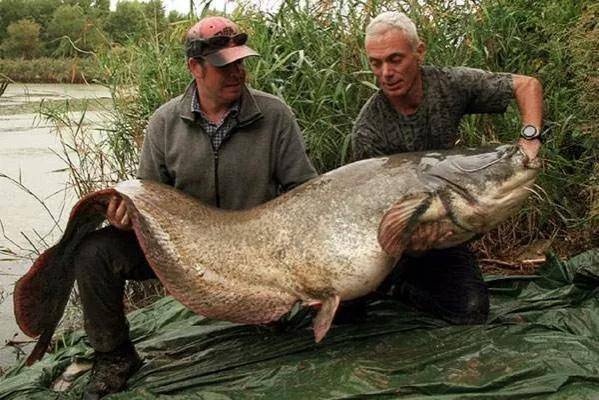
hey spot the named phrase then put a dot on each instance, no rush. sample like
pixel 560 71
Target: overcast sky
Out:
pixel 222 5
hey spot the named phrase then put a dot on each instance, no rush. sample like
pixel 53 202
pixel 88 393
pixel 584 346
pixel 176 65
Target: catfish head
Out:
pixel 466 195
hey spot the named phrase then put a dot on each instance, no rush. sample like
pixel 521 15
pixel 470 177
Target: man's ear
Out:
pixel 195 67
pixel 421 52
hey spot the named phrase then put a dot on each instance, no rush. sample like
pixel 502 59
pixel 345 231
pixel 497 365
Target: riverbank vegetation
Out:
pixel 311 55
pixel 50 70
pixel 56 41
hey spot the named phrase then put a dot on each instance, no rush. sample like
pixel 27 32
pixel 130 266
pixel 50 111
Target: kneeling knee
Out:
pixel 474 311
pixel 92 252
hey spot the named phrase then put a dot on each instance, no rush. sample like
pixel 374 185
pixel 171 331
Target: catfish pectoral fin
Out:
pixel 399 222
pixel 324 318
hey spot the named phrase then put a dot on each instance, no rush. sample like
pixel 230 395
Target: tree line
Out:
pixel 65 28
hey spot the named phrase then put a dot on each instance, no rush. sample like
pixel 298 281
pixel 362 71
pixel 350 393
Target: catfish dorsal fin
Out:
pixel 400 221
pixel 323 320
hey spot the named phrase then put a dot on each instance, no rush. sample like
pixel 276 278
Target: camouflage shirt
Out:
pixel 449 94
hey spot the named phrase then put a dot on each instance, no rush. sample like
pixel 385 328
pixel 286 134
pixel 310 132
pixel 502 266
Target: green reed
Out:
pixel 312 57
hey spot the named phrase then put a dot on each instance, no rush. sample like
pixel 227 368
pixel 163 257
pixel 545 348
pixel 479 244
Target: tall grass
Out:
pixel 312 57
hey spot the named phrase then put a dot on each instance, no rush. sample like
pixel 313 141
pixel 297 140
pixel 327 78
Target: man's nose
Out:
pixel 387 70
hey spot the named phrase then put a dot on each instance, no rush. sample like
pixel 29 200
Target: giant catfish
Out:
pixel 331 239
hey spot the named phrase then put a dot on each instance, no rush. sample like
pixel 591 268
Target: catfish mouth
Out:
pixel 509 195
pixel 482 191
pixel 517 187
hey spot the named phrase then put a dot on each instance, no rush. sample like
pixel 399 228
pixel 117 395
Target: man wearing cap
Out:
pixel 419 108
pixel 226 144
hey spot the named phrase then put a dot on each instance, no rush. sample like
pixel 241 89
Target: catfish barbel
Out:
pixel 333 238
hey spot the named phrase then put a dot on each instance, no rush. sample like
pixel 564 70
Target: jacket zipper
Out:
pixel 215 152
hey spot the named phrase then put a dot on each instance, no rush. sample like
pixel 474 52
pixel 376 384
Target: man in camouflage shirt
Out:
pixel 419 108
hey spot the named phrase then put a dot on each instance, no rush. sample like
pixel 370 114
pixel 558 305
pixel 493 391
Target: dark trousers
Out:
pixel 104 261
pixel 446 283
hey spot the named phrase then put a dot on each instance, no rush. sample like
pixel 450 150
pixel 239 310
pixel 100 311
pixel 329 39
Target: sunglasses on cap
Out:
pixel 199 48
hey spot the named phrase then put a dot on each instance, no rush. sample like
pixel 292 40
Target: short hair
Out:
pixel 394 20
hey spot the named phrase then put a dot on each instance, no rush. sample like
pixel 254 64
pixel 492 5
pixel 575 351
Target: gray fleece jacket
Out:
pixel 264 155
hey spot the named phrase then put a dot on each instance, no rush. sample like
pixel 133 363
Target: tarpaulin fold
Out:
pixel 541 342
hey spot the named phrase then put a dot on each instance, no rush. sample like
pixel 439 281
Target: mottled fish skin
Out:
pixel 331 239
pixel 315 242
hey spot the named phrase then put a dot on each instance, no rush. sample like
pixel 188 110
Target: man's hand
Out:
pixel 426 235
pixel 117 214
pixel 530 147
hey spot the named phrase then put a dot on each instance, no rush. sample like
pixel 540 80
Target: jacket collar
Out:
pixel 249 111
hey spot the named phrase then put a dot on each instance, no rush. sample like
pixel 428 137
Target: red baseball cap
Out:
pixel 218 41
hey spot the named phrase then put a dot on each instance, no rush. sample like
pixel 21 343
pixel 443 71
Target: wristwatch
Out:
pixel 530 132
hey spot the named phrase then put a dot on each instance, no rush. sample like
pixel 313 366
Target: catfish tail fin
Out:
pixel 41 295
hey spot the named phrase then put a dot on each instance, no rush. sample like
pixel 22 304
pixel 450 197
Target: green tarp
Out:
pixel 541 342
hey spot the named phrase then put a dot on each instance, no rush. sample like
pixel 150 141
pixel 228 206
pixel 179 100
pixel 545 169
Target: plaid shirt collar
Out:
pixel 233 111
pixel 218 132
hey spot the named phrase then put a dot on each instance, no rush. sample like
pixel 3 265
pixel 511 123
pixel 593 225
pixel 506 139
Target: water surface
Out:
pixel 30 153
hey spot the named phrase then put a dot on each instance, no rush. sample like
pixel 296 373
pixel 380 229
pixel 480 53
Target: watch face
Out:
pixel 530 132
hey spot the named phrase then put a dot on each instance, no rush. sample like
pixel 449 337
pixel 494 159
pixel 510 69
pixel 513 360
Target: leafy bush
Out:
pixel 23 39
pixel 71 33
